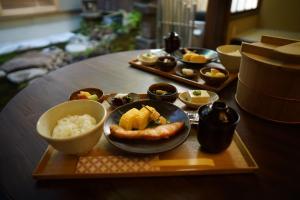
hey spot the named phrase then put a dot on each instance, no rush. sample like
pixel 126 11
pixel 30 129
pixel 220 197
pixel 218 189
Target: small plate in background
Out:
pixel 183 98
pixel 178 71
pixel 134 97
pixel 208 53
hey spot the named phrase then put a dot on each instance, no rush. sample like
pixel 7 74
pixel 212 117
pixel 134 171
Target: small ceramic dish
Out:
pixel 179 72
pixel 163 92
pixel 183 98
pixel 92 91
pixel 166 63
pixel 213 80
pixel 115 101
pixel 148 59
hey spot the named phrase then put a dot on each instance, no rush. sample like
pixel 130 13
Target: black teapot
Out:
pixel 172 42
pixel 216 126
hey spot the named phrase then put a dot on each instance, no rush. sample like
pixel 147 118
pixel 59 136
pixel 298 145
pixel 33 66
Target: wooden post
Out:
pixel 217 18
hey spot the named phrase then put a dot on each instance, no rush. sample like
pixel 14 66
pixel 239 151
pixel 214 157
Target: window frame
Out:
pixel 29 10
pixel 247 12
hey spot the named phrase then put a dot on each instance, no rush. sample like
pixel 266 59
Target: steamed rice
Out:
pixel 73 125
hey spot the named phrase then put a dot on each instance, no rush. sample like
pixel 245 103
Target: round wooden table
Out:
pixel 275 147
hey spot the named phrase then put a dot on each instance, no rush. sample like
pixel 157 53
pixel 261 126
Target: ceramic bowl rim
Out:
pixel 98 125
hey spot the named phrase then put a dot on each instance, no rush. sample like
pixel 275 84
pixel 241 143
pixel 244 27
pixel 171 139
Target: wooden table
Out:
pixel 275 147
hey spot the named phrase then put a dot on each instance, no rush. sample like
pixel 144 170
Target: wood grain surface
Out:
pixel 196 81
pixel 275 147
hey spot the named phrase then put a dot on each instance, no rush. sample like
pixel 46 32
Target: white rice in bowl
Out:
pixel 73 125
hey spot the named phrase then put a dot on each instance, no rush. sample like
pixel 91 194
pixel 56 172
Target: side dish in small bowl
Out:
pixel 94 94
pixel 214 76
pixel 166 63
pixel 163 92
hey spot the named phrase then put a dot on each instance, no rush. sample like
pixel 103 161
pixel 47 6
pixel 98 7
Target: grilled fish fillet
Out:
pixel 156 133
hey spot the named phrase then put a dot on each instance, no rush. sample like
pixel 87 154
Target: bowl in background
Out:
pixel 171 90
pixel 230 57
pixel 97 91
pixel 78 144
pixel 166 66
pixel 213 80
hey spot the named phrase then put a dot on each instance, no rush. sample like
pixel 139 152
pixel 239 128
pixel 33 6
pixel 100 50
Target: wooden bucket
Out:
pixel 269 79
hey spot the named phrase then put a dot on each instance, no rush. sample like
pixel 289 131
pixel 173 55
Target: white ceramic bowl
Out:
pixel 230 57
pixel 79 144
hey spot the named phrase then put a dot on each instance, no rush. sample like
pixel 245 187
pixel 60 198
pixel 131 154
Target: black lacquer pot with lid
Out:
pixel 217 123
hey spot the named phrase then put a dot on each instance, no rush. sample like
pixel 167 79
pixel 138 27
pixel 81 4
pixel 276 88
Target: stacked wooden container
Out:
pixel 269 79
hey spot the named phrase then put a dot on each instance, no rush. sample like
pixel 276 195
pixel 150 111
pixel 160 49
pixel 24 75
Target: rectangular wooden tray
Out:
pixel 106 160
pixel 197 82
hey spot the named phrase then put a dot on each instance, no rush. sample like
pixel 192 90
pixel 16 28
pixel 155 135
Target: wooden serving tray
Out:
pixel 105 160
pixel 197 81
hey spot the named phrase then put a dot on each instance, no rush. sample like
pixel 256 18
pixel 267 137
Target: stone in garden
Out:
pixel 61 37
pixel 31 59
pixel 76 48
pixel 25 75
pixel 32 44
pixel 9 47
pixel 79 38
pixel 2 74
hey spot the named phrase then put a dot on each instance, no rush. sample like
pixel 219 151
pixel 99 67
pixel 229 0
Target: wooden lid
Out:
pixel 278 52
pixel 290 49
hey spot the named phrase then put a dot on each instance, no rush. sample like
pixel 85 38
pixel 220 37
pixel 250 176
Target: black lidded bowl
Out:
pixel 216 126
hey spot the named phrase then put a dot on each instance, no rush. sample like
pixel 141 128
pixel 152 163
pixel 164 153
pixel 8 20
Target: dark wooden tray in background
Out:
pixel 197 82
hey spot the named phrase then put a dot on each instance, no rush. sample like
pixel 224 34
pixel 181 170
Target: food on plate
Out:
pixel 87 95
pixel 121 99
pixel 156 133
pixel 191 56
pixel 139 119
pixel 187 72
pixel 161 92
pixel 73 125
pixel 198 96
pixel 133 125
pixel 214 73
pixel 197 58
